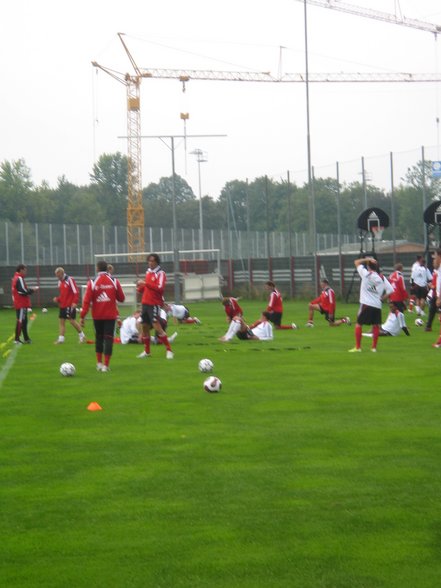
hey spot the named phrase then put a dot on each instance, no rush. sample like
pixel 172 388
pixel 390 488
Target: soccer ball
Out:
pixel 419 322
pixel 67 369
pixel 206 365
pixel 212 384
pixel 44 310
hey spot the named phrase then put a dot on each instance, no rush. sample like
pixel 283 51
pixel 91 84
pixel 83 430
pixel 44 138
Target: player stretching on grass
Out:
pixel 372 290
pixel 238 327
pixel 152 301
pixel 325 304
pixel 232 308
pixel 275 307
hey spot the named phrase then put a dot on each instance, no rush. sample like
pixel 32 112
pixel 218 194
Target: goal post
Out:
pixel 198 277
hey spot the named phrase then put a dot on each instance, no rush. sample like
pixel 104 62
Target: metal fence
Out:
pixel 55 244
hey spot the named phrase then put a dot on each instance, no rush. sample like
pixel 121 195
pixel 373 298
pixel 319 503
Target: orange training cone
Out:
pixel 94 406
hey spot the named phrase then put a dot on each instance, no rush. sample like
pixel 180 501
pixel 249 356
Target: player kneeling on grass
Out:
pixel 395 323
pixel 181 314
pixel 325 304
pixel 263 331
pixel 274 310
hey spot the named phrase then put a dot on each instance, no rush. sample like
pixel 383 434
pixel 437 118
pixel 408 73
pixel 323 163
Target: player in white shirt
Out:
pixel 238 327
pixel 373 288
pixel 420 278
pixel 130 332
pixel 395 323
pixel 181 314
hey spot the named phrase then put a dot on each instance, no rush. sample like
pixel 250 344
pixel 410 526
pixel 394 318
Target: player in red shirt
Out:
pixel 232 308
pixel 326 304
pixel 152 301
pixel 103 292
pixel 274 310
pixel 67 302
pixel 21 300
pixel 399 295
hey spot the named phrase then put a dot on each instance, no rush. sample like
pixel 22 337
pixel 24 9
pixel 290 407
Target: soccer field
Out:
pixel 312 468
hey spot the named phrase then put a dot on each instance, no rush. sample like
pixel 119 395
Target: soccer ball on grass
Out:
pixel 212 384
pixel 67 369
pixel 206 365
pixel 419 322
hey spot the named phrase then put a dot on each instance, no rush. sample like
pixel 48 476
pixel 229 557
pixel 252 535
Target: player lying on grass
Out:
pixel 325 304
pixel 238 327
pixel 395 323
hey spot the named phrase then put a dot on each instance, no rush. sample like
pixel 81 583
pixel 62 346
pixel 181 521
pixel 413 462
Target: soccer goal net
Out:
pixel 198 273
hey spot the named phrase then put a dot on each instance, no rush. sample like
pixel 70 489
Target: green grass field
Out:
pixel 312 468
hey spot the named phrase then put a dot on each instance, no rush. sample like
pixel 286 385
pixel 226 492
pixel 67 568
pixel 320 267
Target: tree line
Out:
pixel 262 204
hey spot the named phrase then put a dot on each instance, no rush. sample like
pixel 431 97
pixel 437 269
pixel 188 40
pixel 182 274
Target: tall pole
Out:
pixel 175 228
pixel 392 206
pixel 291 289
pixel 340 260
pixel 311 203
pixel 200 159
pixel 363 176
pixel 423 170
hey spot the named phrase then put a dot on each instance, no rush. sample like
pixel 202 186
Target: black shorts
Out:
pixel 275 318
pixel 245 335
pixel 70 312
pixel 384 333
pixel 419 291
pixel 329 317
pixel 369 315
pixel 150 314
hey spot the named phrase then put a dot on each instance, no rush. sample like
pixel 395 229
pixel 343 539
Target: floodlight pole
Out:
pixel 176 272
pixel 201 158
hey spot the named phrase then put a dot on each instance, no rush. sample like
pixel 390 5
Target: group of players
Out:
pixel 104 292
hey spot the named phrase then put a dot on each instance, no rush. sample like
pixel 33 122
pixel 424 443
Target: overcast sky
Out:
pixel 60 114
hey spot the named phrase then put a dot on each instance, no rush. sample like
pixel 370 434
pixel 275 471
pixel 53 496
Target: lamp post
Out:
pixel 200 158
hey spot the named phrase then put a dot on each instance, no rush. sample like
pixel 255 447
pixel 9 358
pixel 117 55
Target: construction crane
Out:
pixel 135 210
pixel 376 15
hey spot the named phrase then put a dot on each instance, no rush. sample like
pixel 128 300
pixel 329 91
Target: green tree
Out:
pixel 110 181
pixel 15 189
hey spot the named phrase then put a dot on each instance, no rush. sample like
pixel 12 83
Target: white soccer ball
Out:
pixel 206 365
pixel 67 369
pixel 212 384
pixel 419 322
pixel 44 310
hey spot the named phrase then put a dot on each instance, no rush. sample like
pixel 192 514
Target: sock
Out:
pixel 107 360
pixel 375 334
pixel 99 358
pixel 61 338
pixel 164 340
pixel 17 330
pixel 358 331
pixel 233 329
pixel 146 341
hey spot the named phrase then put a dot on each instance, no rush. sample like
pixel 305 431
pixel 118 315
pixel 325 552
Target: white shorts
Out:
pixel 264 331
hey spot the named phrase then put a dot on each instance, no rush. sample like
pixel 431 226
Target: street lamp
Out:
pixel 201 157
